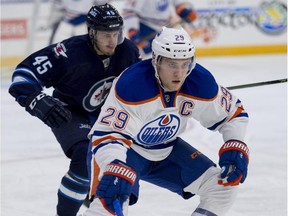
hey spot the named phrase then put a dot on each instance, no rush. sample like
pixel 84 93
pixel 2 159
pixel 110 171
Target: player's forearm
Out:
pixel 234 129
pixel 24 84
pixel 109 152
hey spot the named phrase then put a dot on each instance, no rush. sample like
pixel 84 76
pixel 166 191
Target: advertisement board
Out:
pixel 223 27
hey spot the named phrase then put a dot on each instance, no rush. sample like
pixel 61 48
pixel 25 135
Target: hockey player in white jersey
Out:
pixel 136 136
pixel 67 18
pixel 144 18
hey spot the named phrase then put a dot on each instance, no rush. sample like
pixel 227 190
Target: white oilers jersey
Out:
pixel 152 13
pixel 140 115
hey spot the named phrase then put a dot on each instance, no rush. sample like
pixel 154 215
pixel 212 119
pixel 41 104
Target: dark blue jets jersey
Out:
pixel 80 78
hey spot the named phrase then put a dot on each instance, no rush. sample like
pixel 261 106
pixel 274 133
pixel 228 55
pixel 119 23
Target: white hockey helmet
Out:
pixel 174 43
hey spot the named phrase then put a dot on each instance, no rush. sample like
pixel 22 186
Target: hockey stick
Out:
pixel 257 84
pixel 117 207
pixel 54 30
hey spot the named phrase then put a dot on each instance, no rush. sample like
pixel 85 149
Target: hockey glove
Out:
pixel 48 109
pixel 116 183
pixel 135 37
pixel 187 14
pixel 234 159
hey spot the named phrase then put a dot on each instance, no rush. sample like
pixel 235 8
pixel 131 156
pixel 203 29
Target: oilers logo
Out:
pixel 159 130
pixel 97 94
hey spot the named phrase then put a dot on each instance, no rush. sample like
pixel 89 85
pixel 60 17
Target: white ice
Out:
pixel 32 163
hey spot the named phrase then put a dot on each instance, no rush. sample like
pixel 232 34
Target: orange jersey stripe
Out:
pixel 109 137
pixel 238 111
pixel 95 181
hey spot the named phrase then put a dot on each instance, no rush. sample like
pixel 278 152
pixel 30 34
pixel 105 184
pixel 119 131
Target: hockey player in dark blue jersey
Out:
pixel 81 70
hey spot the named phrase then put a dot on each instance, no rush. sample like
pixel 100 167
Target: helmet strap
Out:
pixel 91 34
pixel 155 61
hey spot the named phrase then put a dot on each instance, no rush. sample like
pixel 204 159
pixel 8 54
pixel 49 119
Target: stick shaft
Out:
pixel 257 84
pixel 117 207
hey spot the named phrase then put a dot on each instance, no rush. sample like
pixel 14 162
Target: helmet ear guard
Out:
pixel 91 33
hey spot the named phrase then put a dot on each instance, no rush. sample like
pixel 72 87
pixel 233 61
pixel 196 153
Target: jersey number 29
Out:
pixel 118 119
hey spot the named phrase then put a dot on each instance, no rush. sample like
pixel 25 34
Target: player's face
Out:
pixel 172 72
pixel 106 42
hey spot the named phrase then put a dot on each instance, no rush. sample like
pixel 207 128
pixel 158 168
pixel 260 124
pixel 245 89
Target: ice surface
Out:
pixel 32 163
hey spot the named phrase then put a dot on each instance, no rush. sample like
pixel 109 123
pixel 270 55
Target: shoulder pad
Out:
pixel 200 84
pixel 137 84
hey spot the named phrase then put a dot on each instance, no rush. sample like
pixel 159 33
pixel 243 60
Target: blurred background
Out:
pixel 223 27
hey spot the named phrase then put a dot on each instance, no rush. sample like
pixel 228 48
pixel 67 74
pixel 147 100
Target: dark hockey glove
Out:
pixel 188 15
pixel 234 159
pixel 116 183
pixel 48 109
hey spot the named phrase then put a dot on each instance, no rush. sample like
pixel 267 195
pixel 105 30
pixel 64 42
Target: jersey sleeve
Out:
pixel 236 122
pixel 226 114
pixel 39 70
pixel 130 14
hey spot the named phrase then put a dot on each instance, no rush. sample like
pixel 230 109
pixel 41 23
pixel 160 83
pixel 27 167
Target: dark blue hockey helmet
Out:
pixel 104 18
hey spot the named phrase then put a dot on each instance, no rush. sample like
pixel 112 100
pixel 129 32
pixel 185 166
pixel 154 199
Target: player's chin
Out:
pixel 109 51
pixel 175 86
